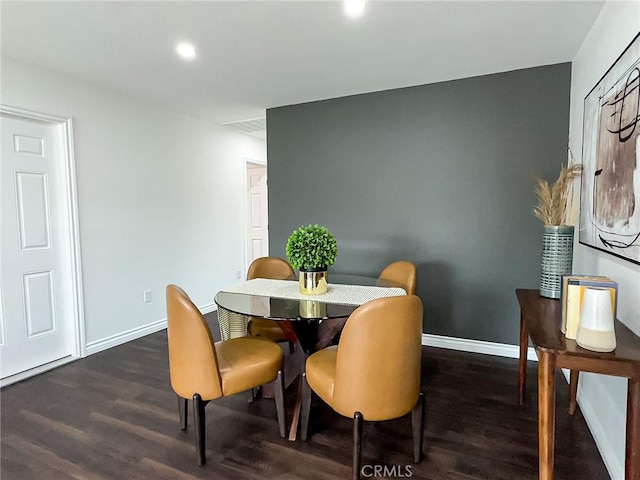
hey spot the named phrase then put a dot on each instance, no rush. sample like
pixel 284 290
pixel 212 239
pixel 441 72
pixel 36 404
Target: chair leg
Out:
pixel 357 444
pixel 200 422
pixel 417 425
pixel 255 394
pixel 280 406
pixel 183 411
pixel 305 407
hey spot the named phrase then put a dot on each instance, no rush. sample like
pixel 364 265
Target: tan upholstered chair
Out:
pixel 202 371
pixel 374 371
pixel 401 273
pixel 276 269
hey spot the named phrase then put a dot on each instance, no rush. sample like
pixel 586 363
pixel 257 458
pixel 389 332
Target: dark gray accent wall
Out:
pixel 437 174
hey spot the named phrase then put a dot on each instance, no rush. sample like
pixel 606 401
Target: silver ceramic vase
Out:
pixel 557 258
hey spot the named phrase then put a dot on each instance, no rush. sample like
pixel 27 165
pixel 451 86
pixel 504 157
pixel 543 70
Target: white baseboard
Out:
pixel 135 333
pixel 598 431
pixel 440 341
pixel 124 337
pixel 476 346
pixel 212 307
pixel 611 461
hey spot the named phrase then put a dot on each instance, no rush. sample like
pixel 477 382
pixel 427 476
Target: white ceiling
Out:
pixel 256 55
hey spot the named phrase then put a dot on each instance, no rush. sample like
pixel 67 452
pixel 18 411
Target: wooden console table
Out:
pixel 540 320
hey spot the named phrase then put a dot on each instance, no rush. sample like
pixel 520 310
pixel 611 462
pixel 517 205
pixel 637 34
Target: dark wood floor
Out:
pixel 114 416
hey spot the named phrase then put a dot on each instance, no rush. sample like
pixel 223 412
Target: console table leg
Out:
pixel 573 391
pixel 632 457
pixel 522 360
pixel 546 414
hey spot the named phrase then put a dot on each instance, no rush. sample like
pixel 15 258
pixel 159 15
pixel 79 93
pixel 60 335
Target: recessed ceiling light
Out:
pixel 354 8
pixel 186 51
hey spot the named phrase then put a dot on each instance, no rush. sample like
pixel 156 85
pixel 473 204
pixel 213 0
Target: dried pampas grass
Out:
pixel 552 199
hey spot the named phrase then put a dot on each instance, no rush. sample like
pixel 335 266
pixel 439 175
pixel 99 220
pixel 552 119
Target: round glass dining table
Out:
pixel 304 315
pixel 276 308
pixel 301 315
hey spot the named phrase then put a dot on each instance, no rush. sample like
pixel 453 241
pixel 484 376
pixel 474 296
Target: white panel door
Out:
pixel 33 327
pixel 257 217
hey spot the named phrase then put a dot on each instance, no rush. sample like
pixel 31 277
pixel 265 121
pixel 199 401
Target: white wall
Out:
pixel 160 198
pixel 602 398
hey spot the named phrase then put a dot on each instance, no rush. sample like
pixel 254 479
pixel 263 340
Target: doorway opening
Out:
pixel 257 211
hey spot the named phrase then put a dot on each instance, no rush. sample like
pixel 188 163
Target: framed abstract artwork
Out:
pixel 610 185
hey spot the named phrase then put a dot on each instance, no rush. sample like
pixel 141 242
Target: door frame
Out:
pixel 250 161
pixel 71 233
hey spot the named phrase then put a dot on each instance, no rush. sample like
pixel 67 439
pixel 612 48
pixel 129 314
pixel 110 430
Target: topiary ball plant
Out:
pixel 312 247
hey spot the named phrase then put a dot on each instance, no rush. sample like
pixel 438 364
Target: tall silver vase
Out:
pixel 557 258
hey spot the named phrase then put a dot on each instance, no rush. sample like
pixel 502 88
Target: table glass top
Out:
pixel 293 309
